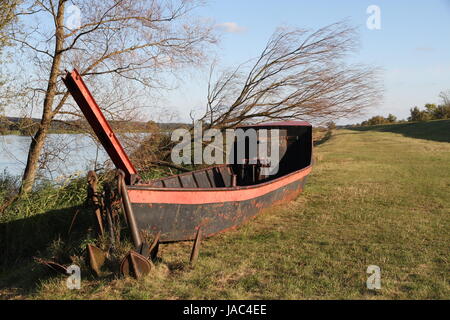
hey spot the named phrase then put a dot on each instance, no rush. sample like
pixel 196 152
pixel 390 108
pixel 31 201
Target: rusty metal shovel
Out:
pixel 136 265
pixel 97 258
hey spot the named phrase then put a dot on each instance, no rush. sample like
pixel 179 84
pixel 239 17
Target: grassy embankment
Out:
pixel 377 195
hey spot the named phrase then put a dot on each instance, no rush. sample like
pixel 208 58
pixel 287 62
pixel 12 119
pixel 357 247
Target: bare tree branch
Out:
pixel 299 75
pixel 122 47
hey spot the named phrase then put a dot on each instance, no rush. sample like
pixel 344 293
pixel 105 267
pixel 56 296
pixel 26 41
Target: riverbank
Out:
pixel 28 126
pixel 373 198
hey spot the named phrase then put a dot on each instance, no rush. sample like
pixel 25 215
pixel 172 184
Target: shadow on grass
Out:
pixel 438 130
pixel 44 235
pixel 322 140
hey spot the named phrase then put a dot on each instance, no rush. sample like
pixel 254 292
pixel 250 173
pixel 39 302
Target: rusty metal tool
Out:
pixel 136 265
pixel 97 258
pixel 196 247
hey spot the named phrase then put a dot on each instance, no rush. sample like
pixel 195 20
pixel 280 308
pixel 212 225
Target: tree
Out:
pixel 119 46
pixel 26 126
pixel 430 108
pixel 432 111
pixel 445 96
pixel 414 114
pixel 7 16
pixel 442 111
pixel 377 120
pixel 300 74
pixel 331 125
pixel 418 115
pixel 391 118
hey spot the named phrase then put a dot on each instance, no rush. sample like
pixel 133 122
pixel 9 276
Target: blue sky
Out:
pixel 412 46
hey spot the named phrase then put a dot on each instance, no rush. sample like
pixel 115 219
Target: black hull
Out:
pixel 178 222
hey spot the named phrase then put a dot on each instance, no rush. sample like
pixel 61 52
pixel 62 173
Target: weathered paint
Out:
pixel 178 205
pixel 148 195
pixel 180 221
pixel 99 124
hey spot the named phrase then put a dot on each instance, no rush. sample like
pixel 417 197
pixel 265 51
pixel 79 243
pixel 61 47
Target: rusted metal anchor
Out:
pixel 97 258
pixel 134 263
pixel 112 216
pixel 102 207
pixel 95 199
pixel 196 247
pixel 137 262
pixel 154 247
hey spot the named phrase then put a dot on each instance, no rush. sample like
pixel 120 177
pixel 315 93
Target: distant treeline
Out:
pixel 28 126
pixel 429 112
pixel 379 120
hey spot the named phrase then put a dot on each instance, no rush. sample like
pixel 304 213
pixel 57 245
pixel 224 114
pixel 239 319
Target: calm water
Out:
pixel 68 154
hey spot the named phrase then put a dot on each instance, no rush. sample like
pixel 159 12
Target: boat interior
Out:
pixel 295 151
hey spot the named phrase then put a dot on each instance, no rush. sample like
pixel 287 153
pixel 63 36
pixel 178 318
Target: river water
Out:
pixel 67 155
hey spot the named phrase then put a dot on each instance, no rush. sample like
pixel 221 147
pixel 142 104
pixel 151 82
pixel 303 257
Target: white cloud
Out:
pixel 231 27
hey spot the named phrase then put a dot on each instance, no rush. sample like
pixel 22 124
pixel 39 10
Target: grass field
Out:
pixel 436 130
pixel 376 197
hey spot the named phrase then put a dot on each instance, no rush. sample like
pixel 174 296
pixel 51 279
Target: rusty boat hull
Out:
pixel 223 197
pixel 178 213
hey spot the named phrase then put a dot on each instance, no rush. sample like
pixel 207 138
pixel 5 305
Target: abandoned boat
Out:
pixel 214 199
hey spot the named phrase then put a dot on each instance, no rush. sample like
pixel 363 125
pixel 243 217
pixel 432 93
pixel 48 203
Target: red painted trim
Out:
pixel 98 122
pixel 213 195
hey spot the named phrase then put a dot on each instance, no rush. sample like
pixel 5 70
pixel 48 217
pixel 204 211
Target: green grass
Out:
pixel 374 197
pixel 437 130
